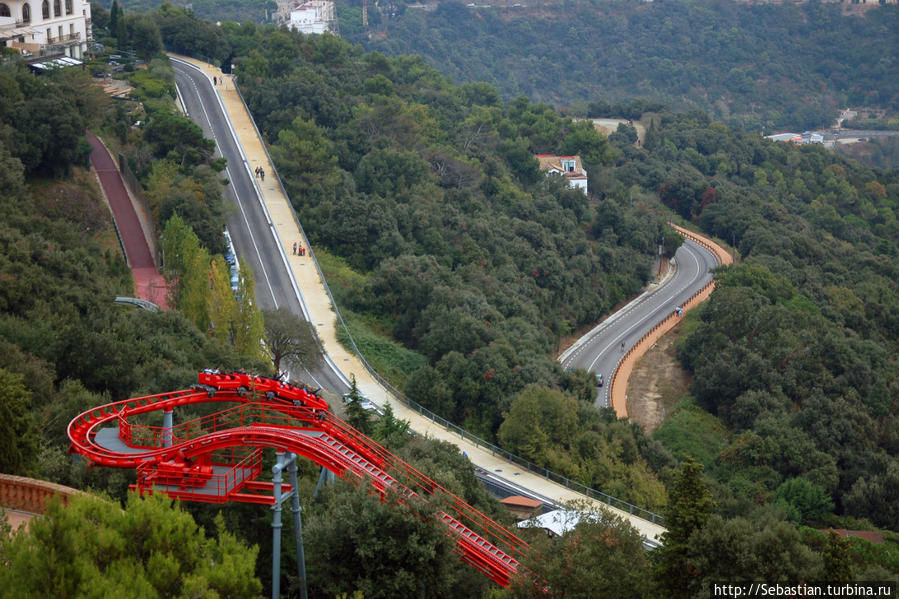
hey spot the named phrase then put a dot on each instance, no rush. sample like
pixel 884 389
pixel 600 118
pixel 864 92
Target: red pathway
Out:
pixel 150 284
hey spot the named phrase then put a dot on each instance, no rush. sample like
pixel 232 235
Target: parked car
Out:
pixel 365 402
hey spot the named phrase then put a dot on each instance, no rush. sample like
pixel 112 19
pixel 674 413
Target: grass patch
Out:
pixel 690 430
pixel 388 357
pixel 371 334
pixel 341 277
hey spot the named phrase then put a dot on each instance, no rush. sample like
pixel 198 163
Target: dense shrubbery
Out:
pixel 61 270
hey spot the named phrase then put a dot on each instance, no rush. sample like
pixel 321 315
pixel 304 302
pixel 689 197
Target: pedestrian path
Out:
pixel 149 284
pixel 322 316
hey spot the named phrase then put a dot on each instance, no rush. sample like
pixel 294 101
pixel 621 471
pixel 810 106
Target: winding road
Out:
pixel 261 233
pixel 602 348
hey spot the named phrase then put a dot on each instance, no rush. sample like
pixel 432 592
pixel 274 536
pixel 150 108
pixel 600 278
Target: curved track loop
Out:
pixel 217 458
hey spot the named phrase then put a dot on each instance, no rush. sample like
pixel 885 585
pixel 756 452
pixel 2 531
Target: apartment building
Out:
pixel 46 27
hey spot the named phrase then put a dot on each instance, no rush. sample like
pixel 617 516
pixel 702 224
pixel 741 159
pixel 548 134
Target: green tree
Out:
pixel 18 429
pixel 150 549
pixel 837 559
pixel 306 161
pixel 292 339
pixel 539 420
pixel 356 414
pixel 382 547
pixel 804 501
pixel 144 34
pixel 249 324
pixel 390 430
pixel 749 549
pixel 114 13
pixel 187 265
pixel 602 556
pixel 221 304
pixel 689 506
pixel 178 139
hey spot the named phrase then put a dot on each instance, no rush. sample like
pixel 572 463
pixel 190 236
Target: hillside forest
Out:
pixel 767 67
pixel 460 269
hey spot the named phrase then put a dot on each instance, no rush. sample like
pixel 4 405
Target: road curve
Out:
pixel 602 348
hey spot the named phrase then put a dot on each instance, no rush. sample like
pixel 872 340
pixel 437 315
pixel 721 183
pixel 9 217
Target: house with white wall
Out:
pixel 314 16
pixel 46 27
pixel 569 167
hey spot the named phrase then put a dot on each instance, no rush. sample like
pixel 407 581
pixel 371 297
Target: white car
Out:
pixel 365 402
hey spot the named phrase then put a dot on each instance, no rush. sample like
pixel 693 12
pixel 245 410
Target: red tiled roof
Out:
pixel 518 500
pixel 868 535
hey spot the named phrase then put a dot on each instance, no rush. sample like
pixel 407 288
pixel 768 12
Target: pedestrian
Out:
pixel 294 248
pixel 262 173
pixel 257 172
pixel 215 80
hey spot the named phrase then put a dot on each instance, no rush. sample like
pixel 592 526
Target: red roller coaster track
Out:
pixel 218 458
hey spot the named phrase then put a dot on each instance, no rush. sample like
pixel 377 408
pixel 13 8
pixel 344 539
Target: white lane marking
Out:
pixel 239 204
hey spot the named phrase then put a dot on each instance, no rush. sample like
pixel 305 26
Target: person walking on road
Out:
pixel 294 248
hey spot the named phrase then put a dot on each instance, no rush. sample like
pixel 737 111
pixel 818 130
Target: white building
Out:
pixel 569 167
pixel 46 27
pixel 314 16
pixel 794 138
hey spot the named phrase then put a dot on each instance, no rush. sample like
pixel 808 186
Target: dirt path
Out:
pixel 610 126
pixel 656 383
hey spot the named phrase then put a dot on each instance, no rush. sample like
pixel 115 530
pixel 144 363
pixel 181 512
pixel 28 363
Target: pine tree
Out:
pixel 689 507
pixel 113 17
pixel 837 560
pixel 356 414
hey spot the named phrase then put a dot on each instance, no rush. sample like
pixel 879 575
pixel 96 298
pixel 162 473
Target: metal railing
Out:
pixel 463 434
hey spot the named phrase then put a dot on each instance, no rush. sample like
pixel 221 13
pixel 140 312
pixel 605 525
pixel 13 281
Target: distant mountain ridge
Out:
pixel 758 67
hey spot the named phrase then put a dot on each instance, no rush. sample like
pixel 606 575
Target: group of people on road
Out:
pixel 260 173
pixel 298 249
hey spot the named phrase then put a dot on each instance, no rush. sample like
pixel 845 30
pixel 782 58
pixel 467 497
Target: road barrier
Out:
pixel 629 359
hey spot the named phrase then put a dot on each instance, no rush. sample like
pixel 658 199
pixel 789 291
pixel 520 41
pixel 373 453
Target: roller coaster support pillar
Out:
pixel 167 428
pixel 326 477
pixel 298 526
pixel 286 460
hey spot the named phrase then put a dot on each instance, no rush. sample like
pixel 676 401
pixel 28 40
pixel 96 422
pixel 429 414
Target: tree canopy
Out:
pixel 149 549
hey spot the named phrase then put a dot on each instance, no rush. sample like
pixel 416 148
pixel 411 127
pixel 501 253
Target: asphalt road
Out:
pixel 600 350
pixel 248 224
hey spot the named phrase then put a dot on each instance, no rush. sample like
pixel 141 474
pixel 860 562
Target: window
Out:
pixel 68 7
pixel 57 11
pixel 4 10
pixel 26 13
pixel 45 10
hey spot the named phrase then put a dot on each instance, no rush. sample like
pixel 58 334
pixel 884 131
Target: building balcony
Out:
pixel 64 39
